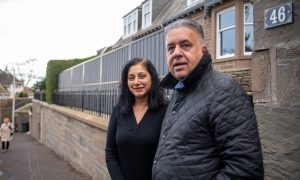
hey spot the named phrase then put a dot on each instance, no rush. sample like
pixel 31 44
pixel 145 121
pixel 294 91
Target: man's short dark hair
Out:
pixel 186 23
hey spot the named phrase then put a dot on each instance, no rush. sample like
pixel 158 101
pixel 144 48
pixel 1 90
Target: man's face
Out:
pixel 184 51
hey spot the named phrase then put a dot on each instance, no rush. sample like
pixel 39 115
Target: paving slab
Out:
pixel 27 159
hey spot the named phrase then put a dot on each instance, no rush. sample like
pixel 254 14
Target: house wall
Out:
pixel 75 136
pixel 18 88
pixel 238 66
pixel 276 90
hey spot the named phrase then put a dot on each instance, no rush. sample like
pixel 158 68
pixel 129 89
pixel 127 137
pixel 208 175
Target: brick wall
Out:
pixel 75 136
pixel 241 76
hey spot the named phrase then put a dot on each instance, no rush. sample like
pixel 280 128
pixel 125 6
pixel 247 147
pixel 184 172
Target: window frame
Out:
pixel 218 44
pixel 125 27
pixel 150 14
pixel 130 27
pixel 244 33
pixel 190 3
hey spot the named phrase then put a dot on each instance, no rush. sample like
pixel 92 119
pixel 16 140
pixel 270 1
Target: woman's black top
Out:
pixel 130 147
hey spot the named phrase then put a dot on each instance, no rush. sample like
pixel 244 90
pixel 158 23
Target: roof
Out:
pixel 6 78
pixel 3 90
pixel 24 109
pixel 175 9
pixel 171 9
pixel 29 91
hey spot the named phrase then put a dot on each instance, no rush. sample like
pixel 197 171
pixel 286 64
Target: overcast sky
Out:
pixel 58 29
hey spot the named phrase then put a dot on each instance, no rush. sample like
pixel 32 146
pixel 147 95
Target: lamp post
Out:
pixel 13 93
pixel 14 100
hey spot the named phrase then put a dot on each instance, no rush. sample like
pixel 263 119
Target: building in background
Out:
pixel 4 93
pixel 6 100
pixel 7 81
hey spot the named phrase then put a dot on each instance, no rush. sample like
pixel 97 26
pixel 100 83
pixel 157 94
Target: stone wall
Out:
pixel 279 132
pixel 276 59
pixel 75 136
pixel 35 121
pixel 276 91
pixel 242 76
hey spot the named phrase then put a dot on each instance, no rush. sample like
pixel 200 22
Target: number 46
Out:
pixel 280 15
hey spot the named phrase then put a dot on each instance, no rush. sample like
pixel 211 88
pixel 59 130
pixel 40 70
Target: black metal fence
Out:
pixel 98 102
pixel 40 96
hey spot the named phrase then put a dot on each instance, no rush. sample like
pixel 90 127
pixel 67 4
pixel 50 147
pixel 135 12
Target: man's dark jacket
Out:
pixel 209 131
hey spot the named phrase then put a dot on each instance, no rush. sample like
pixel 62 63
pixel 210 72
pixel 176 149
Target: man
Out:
pixel 210 129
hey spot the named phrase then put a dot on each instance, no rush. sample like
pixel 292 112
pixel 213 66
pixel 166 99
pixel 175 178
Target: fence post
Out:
pixel 82 101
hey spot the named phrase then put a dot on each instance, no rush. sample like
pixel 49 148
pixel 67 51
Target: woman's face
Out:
pixel 6 120
pixel 139 80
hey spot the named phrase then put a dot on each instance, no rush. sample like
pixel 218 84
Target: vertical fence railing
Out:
pixel 40 96
pixel 97 102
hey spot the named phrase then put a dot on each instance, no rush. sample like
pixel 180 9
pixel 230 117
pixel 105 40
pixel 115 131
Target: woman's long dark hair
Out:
pixel 156 97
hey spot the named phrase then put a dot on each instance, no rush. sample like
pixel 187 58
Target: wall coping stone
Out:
pixel 99 122
pixel 235 70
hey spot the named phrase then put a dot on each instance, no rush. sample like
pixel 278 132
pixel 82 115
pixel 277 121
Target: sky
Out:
pixel 58 29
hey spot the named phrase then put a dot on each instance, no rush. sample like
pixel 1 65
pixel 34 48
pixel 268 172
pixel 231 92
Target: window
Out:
pixel 226 33
pixel 192 2
pixel 130 24
pixel 146 14
pixel 248 29
pixel 134 23
pixel 125 27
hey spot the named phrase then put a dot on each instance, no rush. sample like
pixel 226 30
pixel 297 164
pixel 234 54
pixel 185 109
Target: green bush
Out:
pixel 22 94
pixel 54 68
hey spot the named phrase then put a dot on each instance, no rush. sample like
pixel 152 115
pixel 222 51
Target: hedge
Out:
pixel 54 68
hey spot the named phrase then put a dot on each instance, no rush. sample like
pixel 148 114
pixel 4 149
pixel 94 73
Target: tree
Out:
pixel 39 85
pixel 24 71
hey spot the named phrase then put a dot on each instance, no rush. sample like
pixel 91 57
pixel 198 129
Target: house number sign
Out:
pixel 278 15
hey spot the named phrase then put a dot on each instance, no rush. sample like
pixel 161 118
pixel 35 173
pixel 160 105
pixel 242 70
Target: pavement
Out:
pixel 28 159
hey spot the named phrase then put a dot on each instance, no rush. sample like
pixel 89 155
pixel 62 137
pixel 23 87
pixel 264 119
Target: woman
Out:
pixel 135 123
pixel 5 130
